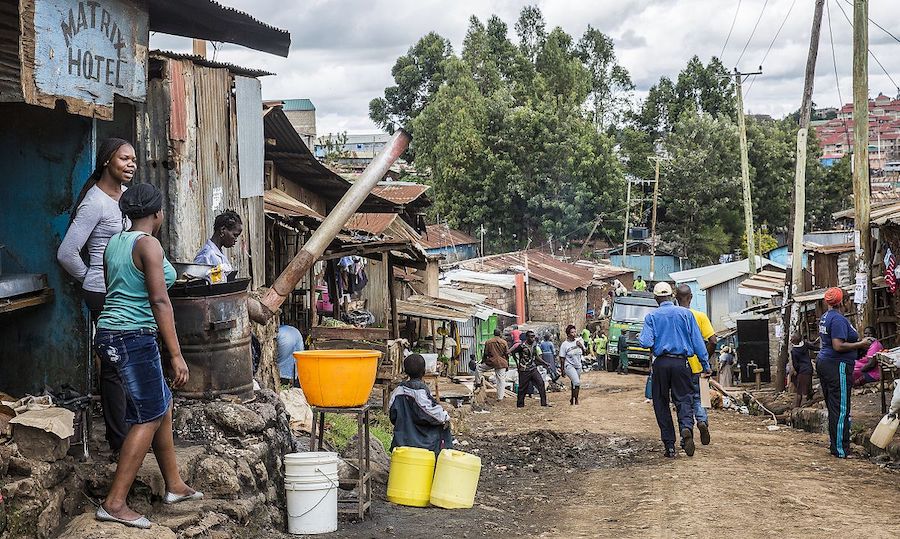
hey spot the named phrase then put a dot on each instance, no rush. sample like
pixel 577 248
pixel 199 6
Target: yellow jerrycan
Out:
pixel 455 480
pixel 885 430
pixel 409 481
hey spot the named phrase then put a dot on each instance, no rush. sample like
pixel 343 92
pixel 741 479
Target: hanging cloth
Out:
pixel 890 278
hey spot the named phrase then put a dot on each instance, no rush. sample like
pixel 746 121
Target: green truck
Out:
pixel 628 319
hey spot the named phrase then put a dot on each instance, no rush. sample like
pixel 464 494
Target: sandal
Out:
pixel 141 522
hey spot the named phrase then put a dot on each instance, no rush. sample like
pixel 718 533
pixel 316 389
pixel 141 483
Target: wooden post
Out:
pixel 790 311
pixel 861 187
pixel 313 312
pixel 745 174
pixel 386 299
pixel 199 46
pixel 627 214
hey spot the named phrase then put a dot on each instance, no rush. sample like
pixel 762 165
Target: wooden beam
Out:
pixel 349 333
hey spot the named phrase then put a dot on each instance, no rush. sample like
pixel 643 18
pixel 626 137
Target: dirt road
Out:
pixel 597 470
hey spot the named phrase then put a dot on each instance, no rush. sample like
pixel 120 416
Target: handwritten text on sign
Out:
pixel 91 49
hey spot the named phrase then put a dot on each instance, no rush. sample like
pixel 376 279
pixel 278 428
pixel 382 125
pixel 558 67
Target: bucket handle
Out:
pixel 333 486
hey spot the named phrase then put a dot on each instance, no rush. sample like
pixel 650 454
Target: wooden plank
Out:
pixel 705 400
pixel 355 334
pixel 10 305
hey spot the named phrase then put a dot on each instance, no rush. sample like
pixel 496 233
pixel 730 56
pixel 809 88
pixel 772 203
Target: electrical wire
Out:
pixel 755 26
pixel 734 20
pixel 877 61
pixel 882 28
pixel 837 80
pixel 772 43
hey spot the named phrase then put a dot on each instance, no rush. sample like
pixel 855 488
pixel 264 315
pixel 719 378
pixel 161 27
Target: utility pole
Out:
pixel 745 169
pixel 481 229
pixel 790 311
pixel 627 212
pixel 655 159
pixel 861 187
pixel 591 235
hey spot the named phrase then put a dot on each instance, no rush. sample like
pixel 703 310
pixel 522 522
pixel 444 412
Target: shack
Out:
pixel 638 258
pixel 454 245
pixel 61 90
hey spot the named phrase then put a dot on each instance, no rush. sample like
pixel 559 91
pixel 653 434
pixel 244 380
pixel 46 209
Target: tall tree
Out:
pixel 417 76
pixel 610 83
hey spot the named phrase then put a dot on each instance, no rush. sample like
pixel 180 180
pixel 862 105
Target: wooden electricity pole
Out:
pixel 656 159
pixel 745 170
pixel 794 281
pixel 861 185
pixel 627 215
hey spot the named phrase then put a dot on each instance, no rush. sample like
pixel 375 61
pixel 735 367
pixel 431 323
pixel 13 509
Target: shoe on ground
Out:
pixel 670 453
pixel 104 516
pixel 704 432
pixel 687 441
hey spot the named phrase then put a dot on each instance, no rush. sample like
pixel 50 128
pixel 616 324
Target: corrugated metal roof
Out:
pixel 832 249
pixel 277 201
pixel 438 236
pixel 880 213
pixel 765 284
pixel 400 192
pixel 199 60
pixel 541 267
pixel 479 277
pixel 205 19
pixel 373 223
pixel 298 104
pixel 435 308
pixel 603 272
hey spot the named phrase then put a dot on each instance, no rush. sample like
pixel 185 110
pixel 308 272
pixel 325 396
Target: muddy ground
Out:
pixel 596 470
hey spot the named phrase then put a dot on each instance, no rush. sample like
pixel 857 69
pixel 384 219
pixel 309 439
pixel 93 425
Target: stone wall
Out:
pixel 548 304
pixel 497 296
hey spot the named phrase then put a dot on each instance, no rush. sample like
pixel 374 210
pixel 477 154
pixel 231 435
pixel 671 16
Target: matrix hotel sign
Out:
pixel 84 53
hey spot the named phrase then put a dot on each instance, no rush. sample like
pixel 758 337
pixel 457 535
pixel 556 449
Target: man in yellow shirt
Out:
pixel 640 284
pixel 683 296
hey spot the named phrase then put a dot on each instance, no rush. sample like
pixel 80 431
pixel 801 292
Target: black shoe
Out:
pixel 704 432
pixel 687 441
pixel 671 453
pixel 547 405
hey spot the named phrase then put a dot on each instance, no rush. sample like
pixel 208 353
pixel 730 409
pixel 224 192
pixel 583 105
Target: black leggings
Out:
pixel 112 394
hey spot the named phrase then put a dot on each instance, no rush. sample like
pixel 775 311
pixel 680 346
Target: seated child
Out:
pixel 419 421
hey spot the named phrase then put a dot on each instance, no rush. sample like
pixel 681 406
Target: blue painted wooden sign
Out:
pixel 84 52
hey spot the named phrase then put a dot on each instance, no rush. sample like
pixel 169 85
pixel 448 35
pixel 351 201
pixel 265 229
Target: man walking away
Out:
pixel 623 353
pixel 495 358
pixel 528 356
pixel 640 285
pixel 673 335
pixel 683 296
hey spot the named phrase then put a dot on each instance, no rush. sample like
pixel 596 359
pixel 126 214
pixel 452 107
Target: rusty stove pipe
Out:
pixel 261 311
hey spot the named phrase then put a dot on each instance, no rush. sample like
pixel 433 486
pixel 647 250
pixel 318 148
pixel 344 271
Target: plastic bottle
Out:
pixel 215 274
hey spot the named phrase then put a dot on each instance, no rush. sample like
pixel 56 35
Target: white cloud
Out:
pixel 342 51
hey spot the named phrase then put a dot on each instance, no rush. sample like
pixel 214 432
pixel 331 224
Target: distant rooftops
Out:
pixel 288 105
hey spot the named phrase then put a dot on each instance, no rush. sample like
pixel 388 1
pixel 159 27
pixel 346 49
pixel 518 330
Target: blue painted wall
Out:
pixel 46 158
pixel 664 265
pixel 453 254
pixel 780 255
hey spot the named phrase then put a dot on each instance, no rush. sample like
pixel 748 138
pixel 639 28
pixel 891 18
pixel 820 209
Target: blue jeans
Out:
pixel 134 354
pixel 699 411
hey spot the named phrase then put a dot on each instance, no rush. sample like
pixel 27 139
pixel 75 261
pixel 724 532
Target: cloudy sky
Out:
pixel 342 51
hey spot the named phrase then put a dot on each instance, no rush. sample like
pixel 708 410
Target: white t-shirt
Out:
pixel 571 353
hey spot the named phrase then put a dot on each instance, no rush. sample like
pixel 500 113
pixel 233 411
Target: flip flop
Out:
pixel 171 498
pixel 140 522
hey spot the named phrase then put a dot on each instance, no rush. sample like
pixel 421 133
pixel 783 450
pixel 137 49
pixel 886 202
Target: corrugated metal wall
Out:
pixel 376 293
pixel 192 155
pixel 47 155
pixel 663 265
pixel 724 299
pixel 468 342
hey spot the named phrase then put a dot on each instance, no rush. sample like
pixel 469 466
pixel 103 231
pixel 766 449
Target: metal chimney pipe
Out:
pixel 261 311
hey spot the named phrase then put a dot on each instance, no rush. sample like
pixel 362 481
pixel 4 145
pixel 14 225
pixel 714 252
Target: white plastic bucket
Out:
pixel 311 485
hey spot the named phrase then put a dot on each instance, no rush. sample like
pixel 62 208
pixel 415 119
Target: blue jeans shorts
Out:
pixel 135 356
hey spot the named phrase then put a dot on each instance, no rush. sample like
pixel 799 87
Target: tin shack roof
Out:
pixel 400 192
pixel 199 60
pixel 438 236
pixel 205 19
pixel 541 267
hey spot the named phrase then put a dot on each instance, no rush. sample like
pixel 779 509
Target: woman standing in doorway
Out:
pixel 840 343
pixel 95 219
pixel 137 309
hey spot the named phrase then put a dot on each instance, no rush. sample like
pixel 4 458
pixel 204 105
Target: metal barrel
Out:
pixel 214 334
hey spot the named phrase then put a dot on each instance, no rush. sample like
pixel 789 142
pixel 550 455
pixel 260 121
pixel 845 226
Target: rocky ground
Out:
pixel 596 470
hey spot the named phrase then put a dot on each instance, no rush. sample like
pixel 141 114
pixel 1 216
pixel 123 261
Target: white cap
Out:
pixel 662 289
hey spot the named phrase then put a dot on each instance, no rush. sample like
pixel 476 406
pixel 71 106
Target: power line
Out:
pixel 771 44
pixel 877 61
pixel 755 26
pixel 837 80
pixel 734 20
pixel 883 29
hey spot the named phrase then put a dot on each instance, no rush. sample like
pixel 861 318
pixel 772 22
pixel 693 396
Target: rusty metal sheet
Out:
pixel 437 236
pixel 84 53
pixel 400 192
pixel 178 115
pixel 541 266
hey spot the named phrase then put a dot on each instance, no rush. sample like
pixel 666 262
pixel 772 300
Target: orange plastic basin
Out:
pixel 337 378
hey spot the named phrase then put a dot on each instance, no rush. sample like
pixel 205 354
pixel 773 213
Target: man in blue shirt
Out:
pixel 673 335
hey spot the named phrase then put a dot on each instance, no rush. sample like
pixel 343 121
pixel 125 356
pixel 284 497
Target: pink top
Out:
pixel 875 373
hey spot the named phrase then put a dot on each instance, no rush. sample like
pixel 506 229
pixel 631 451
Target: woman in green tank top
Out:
pixel 137 308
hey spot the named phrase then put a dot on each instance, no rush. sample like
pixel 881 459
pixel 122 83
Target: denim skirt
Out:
pixel 135 356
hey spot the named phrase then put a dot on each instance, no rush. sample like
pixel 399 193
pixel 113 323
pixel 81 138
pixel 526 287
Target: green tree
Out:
pixel 610 83
pixel 417 76
pixel 829 192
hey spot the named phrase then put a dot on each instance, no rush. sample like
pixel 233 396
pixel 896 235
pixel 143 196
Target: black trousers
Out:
pixel 527 381
pixel 836 377
pixel 672 374
pixel 112 394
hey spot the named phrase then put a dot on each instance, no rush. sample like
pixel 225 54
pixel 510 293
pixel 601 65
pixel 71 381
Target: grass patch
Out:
pixel 340 429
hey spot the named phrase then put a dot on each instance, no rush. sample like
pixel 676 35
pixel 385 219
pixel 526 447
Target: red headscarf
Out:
pixel 834 296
